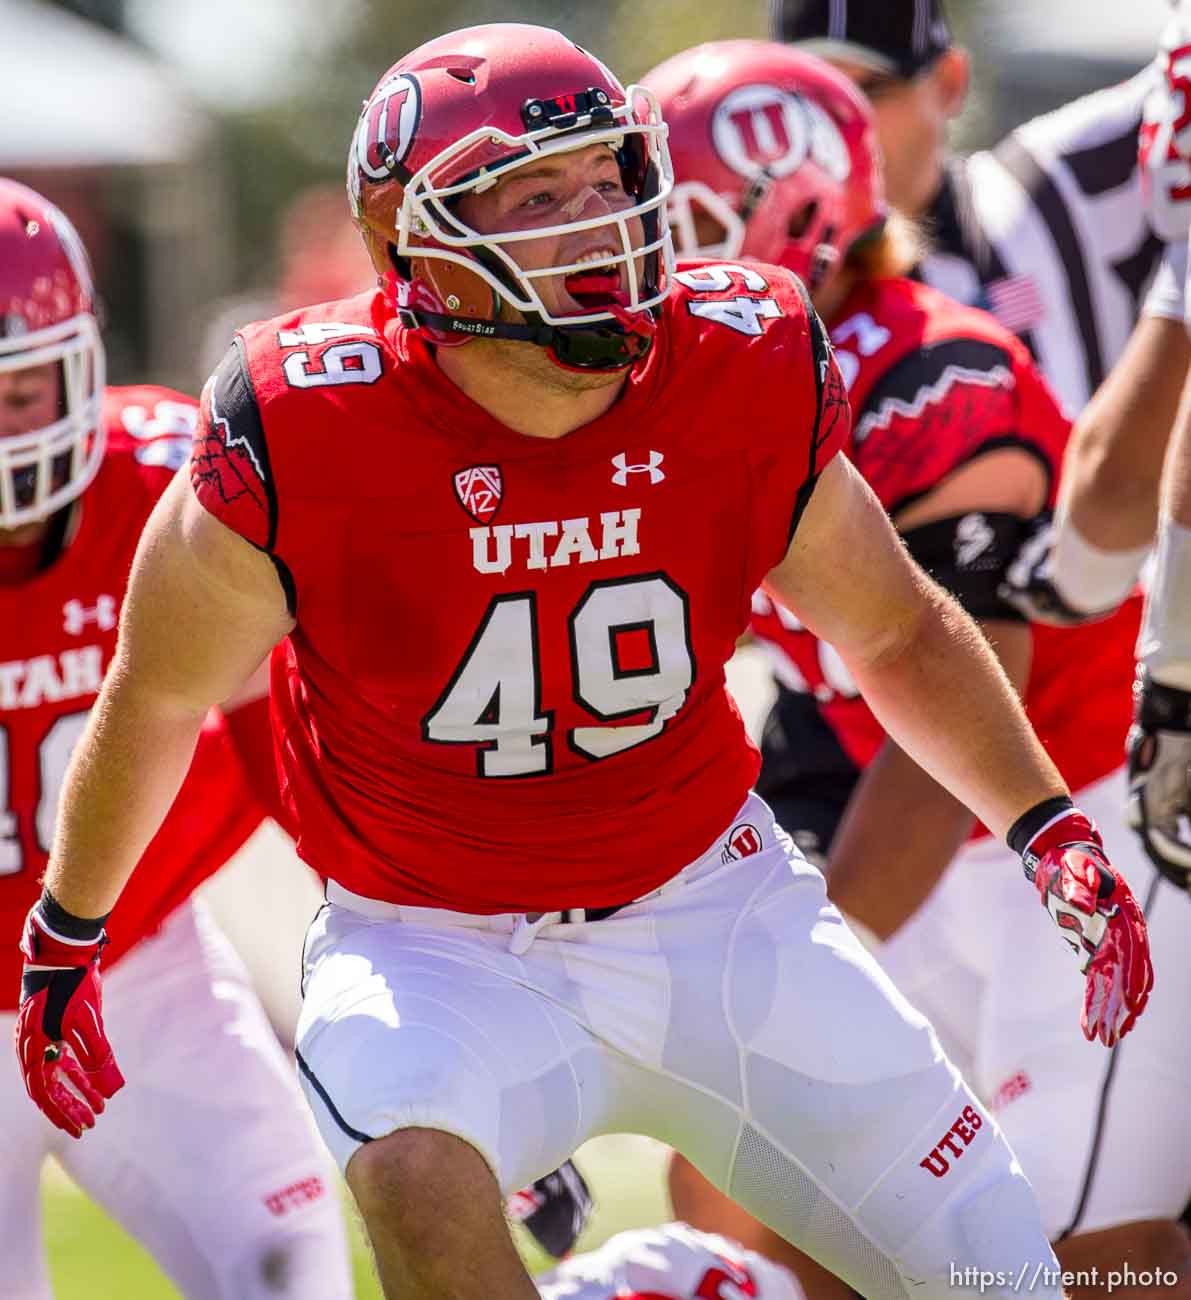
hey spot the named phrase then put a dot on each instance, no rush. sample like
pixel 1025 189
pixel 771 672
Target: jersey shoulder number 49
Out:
pixel 735 296
pixel 319 354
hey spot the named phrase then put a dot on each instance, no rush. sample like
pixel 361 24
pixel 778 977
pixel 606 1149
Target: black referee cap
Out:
pixel 899 37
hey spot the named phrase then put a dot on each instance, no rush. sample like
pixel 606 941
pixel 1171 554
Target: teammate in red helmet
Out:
pixel 206 1157
pixel 506 577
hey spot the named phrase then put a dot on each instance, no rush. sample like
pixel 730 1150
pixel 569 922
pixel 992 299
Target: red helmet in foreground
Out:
pixel 775 156
pixel 47 314
pixel 453 118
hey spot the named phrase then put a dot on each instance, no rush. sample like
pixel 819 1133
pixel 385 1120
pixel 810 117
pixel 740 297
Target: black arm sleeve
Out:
pixel 968 555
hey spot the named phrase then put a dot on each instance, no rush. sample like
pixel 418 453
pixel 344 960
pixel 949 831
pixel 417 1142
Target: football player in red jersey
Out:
pixel 960 439
pixel 505 517
pixel 207 1158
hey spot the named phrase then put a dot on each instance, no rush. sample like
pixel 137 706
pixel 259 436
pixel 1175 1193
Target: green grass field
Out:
pixel 92 1259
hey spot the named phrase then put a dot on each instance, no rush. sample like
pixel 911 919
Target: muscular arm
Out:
pixel 1109 503
pixel 912 862
pixel 1176 489
pixel 910 647
pixel 1164 647
pixel 203 609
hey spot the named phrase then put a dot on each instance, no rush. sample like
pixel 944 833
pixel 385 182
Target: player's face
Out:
pixel 581 185
pixel 29 399
pixel 912 116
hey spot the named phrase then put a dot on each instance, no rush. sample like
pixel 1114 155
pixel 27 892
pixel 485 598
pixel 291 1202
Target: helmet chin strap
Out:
pixel 606 345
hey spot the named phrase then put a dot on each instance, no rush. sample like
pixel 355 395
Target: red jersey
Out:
pixel 57 636
pixel 505 690
pixel 934 384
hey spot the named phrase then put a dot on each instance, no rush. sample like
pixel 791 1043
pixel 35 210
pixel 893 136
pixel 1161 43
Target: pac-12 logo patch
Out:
pixel 479 489
pixel 743 840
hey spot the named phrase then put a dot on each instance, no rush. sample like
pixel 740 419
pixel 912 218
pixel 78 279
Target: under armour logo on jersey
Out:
pixel 76 615
pixel 652 467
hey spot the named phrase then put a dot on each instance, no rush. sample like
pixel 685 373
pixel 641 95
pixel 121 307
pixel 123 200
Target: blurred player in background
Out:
pixel 1049 232
pixel 208 1158
pixel 1046 230
pixel 554 906
pixel 961 439
pixel 1113 501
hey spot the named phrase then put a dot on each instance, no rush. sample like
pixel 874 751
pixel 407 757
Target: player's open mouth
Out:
pixel 595 289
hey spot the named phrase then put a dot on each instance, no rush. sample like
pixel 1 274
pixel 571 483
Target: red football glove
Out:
pixel 1097 914
pixel 65 1058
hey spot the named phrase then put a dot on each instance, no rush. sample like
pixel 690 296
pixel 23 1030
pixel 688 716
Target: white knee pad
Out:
pixel 988 1238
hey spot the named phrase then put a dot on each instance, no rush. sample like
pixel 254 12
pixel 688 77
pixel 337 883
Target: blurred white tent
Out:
pixel 1032 57
pixel 110 134
pixel 74 95
pixel 1074 29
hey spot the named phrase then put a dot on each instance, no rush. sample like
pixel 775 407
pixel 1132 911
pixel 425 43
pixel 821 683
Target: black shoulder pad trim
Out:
pixel 968 555
pixel 237 408
pixel 926 366
pixel 820 360
pixel 288 585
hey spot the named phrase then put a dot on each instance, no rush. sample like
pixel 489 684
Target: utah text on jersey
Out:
pixel 493 550
pixel 69 675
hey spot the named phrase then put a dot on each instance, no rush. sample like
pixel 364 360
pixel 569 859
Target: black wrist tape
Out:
pixel 1022 832
pixel 66 923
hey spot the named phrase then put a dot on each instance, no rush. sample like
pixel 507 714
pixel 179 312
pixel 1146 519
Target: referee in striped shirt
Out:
pixel 1049 231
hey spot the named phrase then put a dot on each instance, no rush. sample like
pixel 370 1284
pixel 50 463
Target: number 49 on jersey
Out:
pixel 494 697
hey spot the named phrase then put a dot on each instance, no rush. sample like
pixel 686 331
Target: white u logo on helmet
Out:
pixel 762 128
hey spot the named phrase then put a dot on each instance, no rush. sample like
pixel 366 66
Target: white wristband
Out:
pixel 1088 578
pixel 1164 646
pixel 1167 292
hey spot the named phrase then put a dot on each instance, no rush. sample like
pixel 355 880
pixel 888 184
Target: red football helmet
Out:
pixel 454 117
pixel 776 148
pixel 47 314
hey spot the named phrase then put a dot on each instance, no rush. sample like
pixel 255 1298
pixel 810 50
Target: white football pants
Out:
pixel 731 1014
pixel 1095 1130
pixel 206 1156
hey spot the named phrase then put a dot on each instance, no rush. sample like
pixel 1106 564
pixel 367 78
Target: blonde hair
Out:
pixel 898 247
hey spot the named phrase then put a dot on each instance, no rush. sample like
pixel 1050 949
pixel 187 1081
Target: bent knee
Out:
pixel 413 1168
pixel 987 1239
